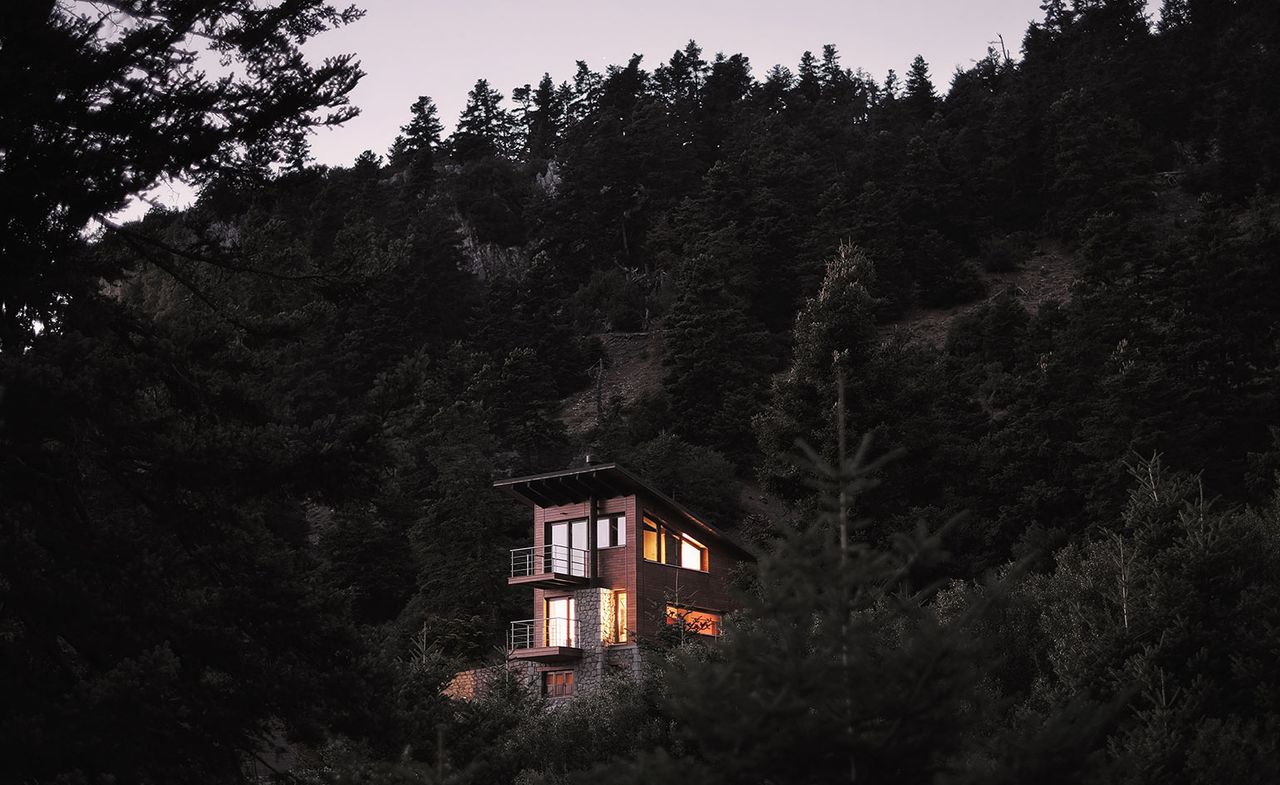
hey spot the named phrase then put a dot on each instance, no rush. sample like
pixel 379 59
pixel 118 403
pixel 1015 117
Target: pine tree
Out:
pixel 485 127
pixel 133 109
pixel 1146 618
pixel 423 130
pixel 920 97
pixel 808 79
pixel 544 121
pixel 837 669
pixel 834 332
pixel 716 361
pixel 680 80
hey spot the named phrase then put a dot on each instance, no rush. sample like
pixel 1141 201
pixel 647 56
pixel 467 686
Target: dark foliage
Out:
pixel 246 449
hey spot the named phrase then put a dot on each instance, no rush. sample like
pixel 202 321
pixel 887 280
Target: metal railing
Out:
pixel 534 633
pixel 543 559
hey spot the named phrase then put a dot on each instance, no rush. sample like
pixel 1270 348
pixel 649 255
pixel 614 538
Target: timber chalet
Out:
pixel 613 560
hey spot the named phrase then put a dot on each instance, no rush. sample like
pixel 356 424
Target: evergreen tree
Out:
pixel 919 95
pixel 485 127
pixel 421 133
pixel 1146 618
pixel 808 81
pixel 716 360
pixel 543 121
pixel 135 111
pixel 834 331
pixel 836 671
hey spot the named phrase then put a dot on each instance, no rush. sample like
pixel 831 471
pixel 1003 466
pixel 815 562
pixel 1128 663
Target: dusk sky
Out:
pixel 410 48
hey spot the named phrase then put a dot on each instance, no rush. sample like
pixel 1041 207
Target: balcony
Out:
pixel 549 567
pixel 544 640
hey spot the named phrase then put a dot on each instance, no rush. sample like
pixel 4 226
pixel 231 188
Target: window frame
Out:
pixel 680 614
pixel 563 689
pixel 570 632
pixel 616 524
pixel 620 633
pixel 669 538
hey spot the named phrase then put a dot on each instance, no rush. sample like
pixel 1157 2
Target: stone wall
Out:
pixel 468 685
pixel 595 635
pixel 591 606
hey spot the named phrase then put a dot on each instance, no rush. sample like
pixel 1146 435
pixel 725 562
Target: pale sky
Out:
pixel 424 47
pixel 417 47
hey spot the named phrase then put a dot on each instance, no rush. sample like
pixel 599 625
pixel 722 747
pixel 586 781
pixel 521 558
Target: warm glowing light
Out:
pixel 561 622
pixel 650 540
pixel 619 617
pixel 668 546
pixel 697 622
pixel 557 684
pixel 693 554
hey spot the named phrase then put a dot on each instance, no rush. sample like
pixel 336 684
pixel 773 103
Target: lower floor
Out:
pixel 554 680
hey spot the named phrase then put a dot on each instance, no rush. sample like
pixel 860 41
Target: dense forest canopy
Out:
pixel 246 448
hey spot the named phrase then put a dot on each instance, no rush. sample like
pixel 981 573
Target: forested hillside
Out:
pixel 246 448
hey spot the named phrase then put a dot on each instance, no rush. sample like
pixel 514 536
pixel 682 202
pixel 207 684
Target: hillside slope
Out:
pixel 632 365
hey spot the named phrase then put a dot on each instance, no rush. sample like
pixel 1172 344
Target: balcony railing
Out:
pixel 543 633
pixel 548 559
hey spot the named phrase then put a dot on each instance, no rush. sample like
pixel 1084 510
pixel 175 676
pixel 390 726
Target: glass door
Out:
pixel 561 623
pixel 568 554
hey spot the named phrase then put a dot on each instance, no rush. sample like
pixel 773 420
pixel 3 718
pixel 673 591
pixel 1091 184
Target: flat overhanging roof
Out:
pixel 600 481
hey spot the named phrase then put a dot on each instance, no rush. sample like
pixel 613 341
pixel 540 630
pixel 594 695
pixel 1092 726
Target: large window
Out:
pixel 611 531
pixel 561 622
pixel 695 622
pixel 668 546
pixel 567 553
pixel 557 684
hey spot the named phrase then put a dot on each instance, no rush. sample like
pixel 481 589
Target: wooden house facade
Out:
pixel 612 561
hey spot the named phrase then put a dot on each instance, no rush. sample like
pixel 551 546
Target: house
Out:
pixel 612 560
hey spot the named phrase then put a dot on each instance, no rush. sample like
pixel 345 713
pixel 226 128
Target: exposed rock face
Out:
pixel 549 181
pixel 489 260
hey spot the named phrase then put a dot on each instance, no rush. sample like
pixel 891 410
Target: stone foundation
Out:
pixel 601 658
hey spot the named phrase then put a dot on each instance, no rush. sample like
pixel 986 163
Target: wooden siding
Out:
pixel 615 567
pixel 649 585
pixel 659 584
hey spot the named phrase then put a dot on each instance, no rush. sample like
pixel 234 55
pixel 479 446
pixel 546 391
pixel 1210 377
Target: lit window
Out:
pixel 693 556
pixel 695 622
pixel 561 622
pixel 668 546
pixel 650 540
pixel 619 617
pixel 557 684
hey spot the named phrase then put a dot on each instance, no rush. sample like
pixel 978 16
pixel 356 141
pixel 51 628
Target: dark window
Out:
pixel 611 531
pixel 557 684
pixel 670 547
